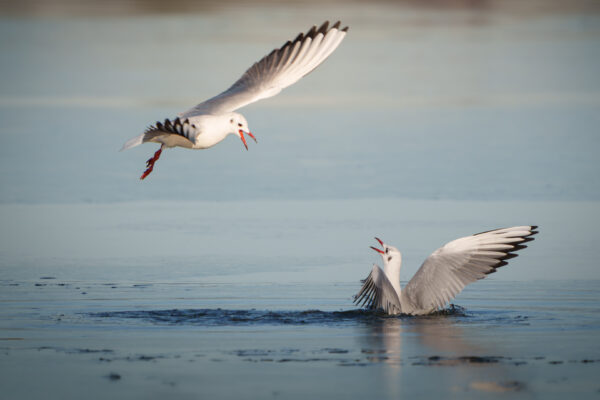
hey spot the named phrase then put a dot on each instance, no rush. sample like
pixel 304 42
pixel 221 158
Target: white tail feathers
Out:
pixel 136 141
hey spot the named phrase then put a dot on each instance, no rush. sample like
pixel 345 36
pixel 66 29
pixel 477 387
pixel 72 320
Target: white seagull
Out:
pixel 443 274
pixel 209 122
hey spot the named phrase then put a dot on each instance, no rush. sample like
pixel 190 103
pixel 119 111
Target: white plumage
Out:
pixel 444 273
pixel 211 121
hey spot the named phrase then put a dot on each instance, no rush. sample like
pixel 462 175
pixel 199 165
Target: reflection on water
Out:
pixel 510 338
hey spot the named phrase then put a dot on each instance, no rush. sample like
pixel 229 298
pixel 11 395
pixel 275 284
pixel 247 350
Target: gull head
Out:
pixel 389 254
pixel 239 126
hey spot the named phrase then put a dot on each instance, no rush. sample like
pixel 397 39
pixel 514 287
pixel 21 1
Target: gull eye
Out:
pixel 240 125
pixel 231 120
pixel 386 250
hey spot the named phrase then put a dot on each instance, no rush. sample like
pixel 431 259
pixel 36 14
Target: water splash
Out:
pixel 221 317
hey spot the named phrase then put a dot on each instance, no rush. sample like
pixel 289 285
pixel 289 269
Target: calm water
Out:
pixel 230 273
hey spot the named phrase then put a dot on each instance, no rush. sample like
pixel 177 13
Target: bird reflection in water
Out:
pixel 404 345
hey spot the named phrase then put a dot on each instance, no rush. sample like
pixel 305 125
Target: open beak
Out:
pixel 376 249
pixel 241 132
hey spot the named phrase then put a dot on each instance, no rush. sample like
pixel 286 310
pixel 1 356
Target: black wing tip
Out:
pixel 337 26
pixel 508 256
pixel 323 28
pixel 532 229
pixel 171 126
pixel 518 247
pixel 314 31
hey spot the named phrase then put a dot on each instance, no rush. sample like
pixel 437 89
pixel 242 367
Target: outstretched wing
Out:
pixel 378 293
pixel 277 70
pixel 450 268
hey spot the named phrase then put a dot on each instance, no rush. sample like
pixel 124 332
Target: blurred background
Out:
pixel 431 121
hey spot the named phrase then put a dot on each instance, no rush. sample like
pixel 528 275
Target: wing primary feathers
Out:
pixel 178 127
pixel 508 256
pixel 449 269
pixel 323 28
pixel 279 69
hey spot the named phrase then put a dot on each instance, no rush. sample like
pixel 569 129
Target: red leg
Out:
pixel 150 163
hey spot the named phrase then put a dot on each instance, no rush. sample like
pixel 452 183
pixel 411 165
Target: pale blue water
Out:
pixel 229 273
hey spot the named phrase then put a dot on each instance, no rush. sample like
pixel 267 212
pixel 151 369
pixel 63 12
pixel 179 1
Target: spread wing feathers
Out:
pixel 171 133
pixel 277 70
pixel 450 268
pixel 378 293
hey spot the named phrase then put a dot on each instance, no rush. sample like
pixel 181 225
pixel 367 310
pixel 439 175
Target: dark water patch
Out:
pixel 113 376
pixel 255 352
pixel 221 317
pixel 336 351
pixel 373 351
pixel 75 351
pixel 377 359
pixel 584 361
pixel 303 360
pixel 353 364
pixel 286 355
pixel 453 361
pixel 91 351
pixel 47 277
pixel 144 358
pixel 40 284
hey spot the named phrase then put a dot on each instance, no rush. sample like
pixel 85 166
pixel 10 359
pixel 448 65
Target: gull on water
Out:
pixel 209 122
pixel 443 274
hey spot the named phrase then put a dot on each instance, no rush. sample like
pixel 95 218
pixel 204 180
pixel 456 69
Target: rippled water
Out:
pixel 153 339
pixel 216 317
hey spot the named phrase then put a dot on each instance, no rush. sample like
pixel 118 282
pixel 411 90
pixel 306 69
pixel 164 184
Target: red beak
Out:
pixel 376 249
pixel 252 136
pixel 243 138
